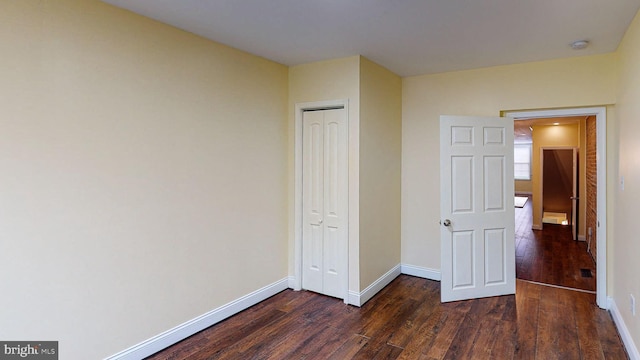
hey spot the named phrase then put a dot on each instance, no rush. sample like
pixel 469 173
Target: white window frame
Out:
pixel 530 147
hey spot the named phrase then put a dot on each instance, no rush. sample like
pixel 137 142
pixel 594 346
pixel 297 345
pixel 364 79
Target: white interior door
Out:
pixel 476 207
pixel 325 202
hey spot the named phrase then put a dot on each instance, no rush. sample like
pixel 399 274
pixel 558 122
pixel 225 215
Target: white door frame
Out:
pixel 300 108
pixel 601 159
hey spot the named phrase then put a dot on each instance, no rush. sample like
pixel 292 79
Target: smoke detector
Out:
pixel 579 44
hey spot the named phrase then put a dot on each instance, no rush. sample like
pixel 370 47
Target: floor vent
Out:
pixel 586 273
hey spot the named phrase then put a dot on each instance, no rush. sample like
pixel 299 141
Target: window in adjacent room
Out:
pixel 522 161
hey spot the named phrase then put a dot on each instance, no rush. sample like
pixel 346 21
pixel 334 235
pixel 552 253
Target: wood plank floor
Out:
pixel 551 256
pixel 407 321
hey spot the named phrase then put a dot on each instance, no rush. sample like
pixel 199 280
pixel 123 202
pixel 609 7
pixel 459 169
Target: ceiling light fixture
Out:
pixel 556 124
pixel 579 44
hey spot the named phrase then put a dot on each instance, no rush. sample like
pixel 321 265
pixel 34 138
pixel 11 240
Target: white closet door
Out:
pixel 325 202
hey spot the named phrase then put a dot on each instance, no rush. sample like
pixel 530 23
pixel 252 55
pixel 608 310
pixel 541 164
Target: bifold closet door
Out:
pixel 325 202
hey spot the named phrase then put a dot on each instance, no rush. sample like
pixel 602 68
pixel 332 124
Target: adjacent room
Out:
pixel 283 178
pixel 557 245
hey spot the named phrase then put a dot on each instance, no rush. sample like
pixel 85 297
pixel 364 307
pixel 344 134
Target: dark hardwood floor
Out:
pixel 551 256
pixel 407 321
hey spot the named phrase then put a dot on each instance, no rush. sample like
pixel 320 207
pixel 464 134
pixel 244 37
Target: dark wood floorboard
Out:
pixel 551 256
pixel 407 321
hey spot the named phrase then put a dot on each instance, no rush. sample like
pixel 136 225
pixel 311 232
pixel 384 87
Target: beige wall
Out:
pixel 573 82
pixel 380 160
pixel 321 81
pixel 144 175
pixel 625 247
pixel 548 137
pixel 523 186
pixel 374 96
pixel 145 165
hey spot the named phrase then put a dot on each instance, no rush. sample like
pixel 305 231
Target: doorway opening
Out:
pixel 560 178
pixel 597 191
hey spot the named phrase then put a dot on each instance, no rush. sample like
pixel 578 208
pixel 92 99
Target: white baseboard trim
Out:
pixel 627 340
pixel 426 273
pixel 358 299
pixel 291 280
pixel 353 298
pixel 180 332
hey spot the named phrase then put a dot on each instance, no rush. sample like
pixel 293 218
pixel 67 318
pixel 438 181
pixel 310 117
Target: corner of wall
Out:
pixel 359 298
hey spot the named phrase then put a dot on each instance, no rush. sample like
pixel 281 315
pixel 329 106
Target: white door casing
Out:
pixel 324 201
pixel 601 164
pixel 476 207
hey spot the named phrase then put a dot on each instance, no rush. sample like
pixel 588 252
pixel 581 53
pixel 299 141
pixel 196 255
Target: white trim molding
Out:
pixel 292 282
pixel 182 331
pixel 353 298
pixel 359 298
pixel 627 340
pixel 426 273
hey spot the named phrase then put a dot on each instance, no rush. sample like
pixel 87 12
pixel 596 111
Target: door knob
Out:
pixel 320 222
pixel 446 222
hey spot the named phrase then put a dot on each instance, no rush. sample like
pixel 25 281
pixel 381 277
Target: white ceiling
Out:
pixel 522 127
pixel 409 37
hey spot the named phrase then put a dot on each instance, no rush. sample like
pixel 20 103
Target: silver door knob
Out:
pixel 446 222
